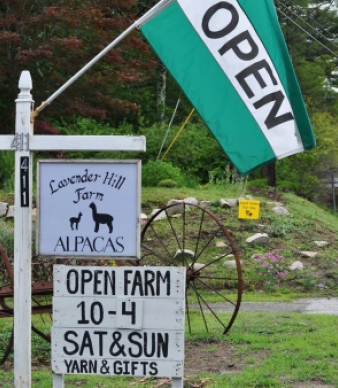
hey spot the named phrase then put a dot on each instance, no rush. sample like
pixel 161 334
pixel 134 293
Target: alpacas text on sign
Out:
pixel 89 208
pixel 118 321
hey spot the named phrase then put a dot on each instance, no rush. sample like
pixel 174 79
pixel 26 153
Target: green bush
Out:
pixel 195 151
pixel 85 126
pixel 7 160
pixel 167 183
pixel 287 185
pixel 297 173
pixel 258 183
pixel 7 239
pixel 155 172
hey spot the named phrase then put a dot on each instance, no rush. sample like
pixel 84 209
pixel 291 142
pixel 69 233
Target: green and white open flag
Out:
pixel 231 60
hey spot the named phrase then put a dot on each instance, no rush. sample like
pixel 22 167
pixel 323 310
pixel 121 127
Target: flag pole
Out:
pixel 147 16
pixel 169 126
pixel 178 133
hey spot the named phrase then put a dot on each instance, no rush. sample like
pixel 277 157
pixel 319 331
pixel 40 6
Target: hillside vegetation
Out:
pixel 291 238
pixel 265 267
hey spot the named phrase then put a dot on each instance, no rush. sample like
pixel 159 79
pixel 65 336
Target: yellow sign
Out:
pixel 249 209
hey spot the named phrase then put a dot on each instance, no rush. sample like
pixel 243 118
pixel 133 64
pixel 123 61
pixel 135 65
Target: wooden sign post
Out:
pixel 24 142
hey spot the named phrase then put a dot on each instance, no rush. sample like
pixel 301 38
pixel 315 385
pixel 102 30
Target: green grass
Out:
pixel 296 348
pixel 262 350
pixel 161 195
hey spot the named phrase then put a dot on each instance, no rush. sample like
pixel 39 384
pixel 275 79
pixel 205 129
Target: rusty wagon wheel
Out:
pixel 192 236
pixel 41 304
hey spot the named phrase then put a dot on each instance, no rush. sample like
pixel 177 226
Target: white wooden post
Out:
pixel 58 381
pixel 24 143
pixel 22 234
pixel 177 382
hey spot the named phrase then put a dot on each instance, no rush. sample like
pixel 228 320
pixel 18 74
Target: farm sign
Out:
pixel 118 321
pixel 249 209
pixel 89 208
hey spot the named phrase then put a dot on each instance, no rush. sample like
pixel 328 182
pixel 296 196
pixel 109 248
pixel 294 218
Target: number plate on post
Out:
pixel 24 181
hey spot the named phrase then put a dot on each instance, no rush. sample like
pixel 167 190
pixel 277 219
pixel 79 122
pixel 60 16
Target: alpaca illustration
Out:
pixel 75 221
pixel 101 218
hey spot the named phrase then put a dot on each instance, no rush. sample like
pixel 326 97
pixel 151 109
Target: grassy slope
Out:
pixel 289 235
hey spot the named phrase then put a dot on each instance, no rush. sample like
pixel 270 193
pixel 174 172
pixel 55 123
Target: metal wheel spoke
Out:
pixel 225 255
pixel 193 234
pixel 187 311
pixel 216 278
pixel 199 231
pixel 183 233
pixel 160 239
pixel 155 254
pixel 180 247
pixel 209 308
pixel 201 307
pixel 209 264
pixel 216 292
pixel 173 230
pixel 207 244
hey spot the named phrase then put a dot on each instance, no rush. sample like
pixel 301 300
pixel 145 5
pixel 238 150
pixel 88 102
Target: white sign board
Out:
pixel 89 208
pixel 118 321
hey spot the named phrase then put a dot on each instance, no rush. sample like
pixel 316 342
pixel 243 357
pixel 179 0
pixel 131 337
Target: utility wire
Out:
pixel 307 32
pixel 308 24
pixel 309 16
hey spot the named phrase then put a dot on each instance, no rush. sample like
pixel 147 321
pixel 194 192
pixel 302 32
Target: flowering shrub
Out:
pixel 309 277
pixel 271 270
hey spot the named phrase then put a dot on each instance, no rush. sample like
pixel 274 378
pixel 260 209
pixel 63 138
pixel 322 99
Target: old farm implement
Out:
pixel 177 235
pixel 189 235
pixel 42 289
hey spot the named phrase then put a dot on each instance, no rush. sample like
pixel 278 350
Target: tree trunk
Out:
pixel 269 172
pixel 161 94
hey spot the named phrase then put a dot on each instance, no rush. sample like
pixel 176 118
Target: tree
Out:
pixel 307 26
pixel 311 33
pixel 53 39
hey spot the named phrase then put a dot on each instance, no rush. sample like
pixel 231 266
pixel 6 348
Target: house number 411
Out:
pixel 24 181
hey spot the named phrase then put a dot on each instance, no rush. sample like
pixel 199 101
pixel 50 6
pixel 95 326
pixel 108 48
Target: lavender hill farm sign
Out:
pixel 89 208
